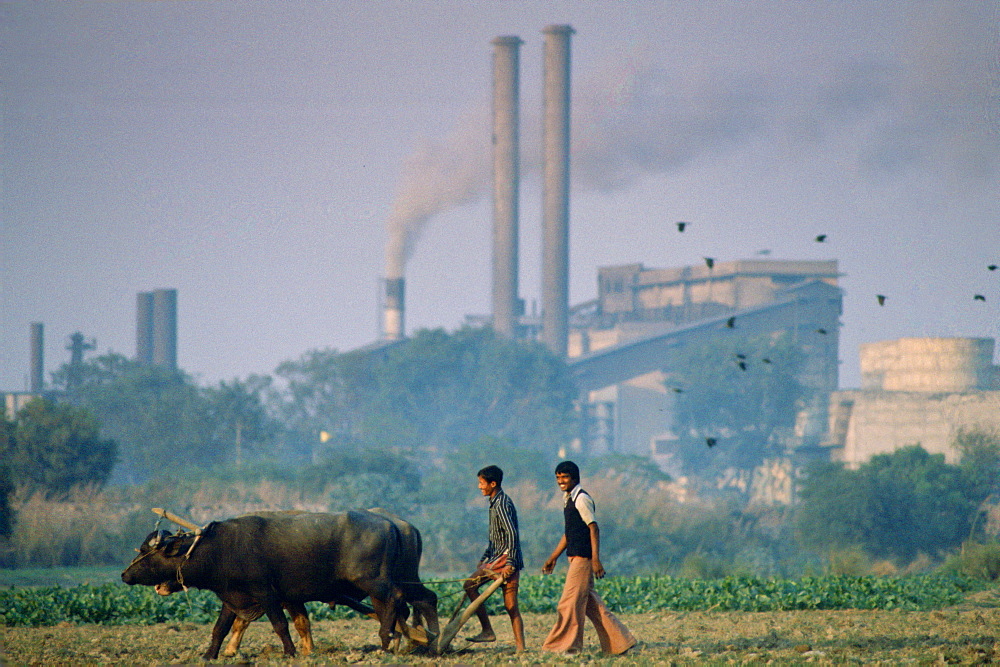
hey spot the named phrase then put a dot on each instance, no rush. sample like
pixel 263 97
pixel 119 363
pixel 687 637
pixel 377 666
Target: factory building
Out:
pixel 623 344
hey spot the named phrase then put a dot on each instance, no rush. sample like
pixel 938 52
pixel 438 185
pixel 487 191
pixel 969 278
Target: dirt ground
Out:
pixel 966 634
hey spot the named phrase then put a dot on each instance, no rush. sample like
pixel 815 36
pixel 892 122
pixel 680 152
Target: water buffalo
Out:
pixel 255 564
pixel 406 574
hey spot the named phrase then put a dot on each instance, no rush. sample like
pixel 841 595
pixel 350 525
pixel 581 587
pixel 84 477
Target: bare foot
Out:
pixel 483 637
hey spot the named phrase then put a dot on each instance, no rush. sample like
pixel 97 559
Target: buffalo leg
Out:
pixel 219 631
pixel 239 627
pixel 279 624
pixel 386 612
pixel 300 619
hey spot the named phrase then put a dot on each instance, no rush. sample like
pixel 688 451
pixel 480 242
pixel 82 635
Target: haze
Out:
pixel 252 154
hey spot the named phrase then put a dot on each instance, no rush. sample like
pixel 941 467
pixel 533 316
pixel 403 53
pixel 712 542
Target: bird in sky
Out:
pixel 992 267
pixel 678 390
pixel 710 262
pixel 682 225
pixel 740 355
pixel 766 360
pixel 979 297
pixel 821 331
pixel 820 238
pixel 764 251
pixel 731 322
pixel 742 365
pixel 881 299
pixel 710 442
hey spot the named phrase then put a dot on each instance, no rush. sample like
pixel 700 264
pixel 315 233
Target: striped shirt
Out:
pixel 505 540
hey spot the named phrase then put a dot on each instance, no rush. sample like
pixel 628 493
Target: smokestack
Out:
pixel 555 189
pixel 165 328
pixel 144 327
pixel 37 356
pixel 506 183
pixel 393 310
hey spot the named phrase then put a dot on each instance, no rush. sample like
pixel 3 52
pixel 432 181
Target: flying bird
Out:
pixel 820 238
pixel 764 251
pixel 678 390
pixel 710 442
pixel 881 299
pixel 682 225
pixel 992 267
pixel 710 262
pixel 731 322
pixel 740 355
pixel 766 360
pixel 821 331
pixel 979 297
pixel 742 365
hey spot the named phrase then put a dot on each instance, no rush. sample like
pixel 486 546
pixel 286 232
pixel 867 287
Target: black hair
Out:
pixel 492 474
pixel 569 468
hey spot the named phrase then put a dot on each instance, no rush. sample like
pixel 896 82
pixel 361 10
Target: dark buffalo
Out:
pixel 256 564
pixel 406 574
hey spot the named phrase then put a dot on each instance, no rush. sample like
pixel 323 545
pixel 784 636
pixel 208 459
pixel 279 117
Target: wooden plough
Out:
pixel 459 619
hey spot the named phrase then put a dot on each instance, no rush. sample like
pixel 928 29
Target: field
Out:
pixel 967 633
pixel 827 620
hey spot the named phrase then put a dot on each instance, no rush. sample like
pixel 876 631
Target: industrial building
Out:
pixel 915 391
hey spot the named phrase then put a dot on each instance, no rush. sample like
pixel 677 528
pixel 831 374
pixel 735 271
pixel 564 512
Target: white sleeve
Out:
pixel 585 506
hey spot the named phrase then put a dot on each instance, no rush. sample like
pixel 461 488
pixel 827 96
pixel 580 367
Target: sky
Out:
pixel 251 155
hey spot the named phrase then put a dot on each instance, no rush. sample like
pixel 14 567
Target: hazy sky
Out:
pixel 250 155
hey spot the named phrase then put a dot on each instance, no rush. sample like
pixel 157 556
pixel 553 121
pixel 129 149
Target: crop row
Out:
pixel 115 604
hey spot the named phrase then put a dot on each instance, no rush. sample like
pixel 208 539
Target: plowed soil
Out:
pixel 966 634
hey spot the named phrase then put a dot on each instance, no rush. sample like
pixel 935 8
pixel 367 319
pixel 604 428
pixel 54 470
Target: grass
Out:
pixel 60 576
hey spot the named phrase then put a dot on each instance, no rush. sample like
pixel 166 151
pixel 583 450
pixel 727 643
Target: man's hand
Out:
pixel 597 567
pixel 550 565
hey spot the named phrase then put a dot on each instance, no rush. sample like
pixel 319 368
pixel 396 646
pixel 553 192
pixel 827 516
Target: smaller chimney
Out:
pixel 37 356
pixel 393 323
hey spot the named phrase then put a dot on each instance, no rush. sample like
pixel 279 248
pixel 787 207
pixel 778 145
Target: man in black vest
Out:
pixel 582 543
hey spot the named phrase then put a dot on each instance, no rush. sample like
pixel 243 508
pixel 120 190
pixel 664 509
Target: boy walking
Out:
pixel 582 543
pixel 502 558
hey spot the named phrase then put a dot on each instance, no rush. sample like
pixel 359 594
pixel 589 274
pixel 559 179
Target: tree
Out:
pixel 54 447
pixel 896 505
pixel 241 424
pixel 738 393
pixel 436 391
pixel 157 415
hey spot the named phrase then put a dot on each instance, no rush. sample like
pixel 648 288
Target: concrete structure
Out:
pixel 555 188
pixel 506 184
pixel 915 391
pixel 156 328
pixel 37 356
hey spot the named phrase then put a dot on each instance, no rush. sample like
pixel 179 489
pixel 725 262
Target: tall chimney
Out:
pixel 37 356
pixel 393 310
pixel 165 328
pixel 144 327
pixel 506 183
pixel 555 189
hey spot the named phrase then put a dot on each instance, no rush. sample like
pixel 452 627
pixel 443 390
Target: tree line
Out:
pixel 413 419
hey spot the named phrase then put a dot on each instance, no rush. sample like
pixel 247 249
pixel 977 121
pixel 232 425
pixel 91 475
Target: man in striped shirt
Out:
pixel 502 558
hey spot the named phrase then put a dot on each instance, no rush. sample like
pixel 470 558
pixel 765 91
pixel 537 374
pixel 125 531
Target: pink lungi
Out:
pixel 579 599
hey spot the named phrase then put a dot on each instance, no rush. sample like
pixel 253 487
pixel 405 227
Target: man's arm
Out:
pixel 551 562
pixel 595 550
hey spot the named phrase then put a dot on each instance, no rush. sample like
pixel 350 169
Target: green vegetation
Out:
pixel 115 604
pixel 896 506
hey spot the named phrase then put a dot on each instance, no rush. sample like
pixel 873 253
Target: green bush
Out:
pixel 978 561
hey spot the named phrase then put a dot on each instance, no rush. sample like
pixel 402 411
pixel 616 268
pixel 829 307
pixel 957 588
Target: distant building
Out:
pixel 623 344
pixel 915 391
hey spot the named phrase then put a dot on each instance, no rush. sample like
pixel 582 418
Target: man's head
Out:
pixel 490 479
pixel 567 475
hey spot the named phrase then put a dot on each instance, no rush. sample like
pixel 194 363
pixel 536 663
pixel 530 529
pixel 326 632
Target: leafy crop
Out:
pixel 115 604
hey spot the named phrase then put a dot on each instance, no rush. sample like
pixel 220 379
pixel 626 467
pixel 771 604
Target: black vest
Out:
pixel 577 532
